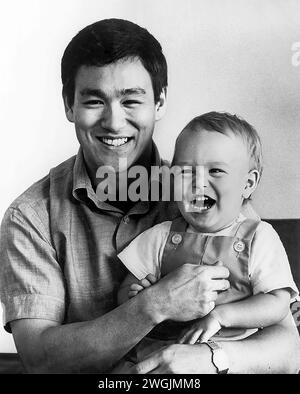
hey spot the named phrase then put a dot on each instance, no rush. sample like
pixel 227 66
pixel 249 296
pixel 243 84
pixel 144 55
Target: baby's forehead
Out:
pixel 191 133
pixel 194 129
pixel 193 137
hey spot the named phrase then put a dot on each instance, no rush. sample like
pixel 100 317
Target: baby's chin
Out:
pixel 202 228
pixel 206 222
pixel 199 228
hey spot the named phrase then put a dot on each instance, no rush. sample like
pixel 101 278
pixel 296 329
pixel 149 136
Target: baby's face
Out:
pixel 213 193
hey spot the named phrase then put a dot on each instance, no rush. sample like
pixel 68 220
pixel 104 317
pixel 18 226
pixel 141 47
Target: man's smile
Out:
pixel 114 141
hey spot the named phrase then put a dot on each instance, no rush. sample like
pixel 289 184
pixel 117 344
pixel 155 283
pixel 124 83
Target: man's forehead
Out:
pixel 114 80
pixel 130 73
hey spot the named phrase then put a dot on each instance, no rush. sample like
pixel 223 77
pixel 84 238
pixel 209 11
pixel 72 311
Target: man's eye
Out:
pixel 131 103
pixel 93 102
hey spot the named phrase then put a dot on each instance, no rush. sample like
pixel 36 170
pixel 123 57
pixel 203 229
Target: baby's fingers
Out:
pixel 136 287
pixel 210 332
pixel 195 336
pixel 151 278
pixel 182 338
pixel 190 337
pixel 205 337
pixel 132 293
pixel 145 283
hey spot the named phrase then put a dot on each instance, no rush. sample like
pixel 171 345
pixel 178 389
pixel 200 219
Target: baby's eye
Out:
pixel 216 171
pixel 187 171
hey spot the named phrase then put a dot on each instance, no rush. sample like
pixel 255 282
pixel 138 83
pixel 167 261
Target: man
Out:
pixel 59 242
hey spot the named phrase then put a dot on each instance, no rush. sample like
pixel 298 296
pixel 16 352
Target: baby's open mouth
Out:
pixel 115 141
pixel 203 203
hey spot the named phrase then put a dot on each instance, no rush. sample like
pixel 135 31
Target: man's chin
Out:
pixel 118 165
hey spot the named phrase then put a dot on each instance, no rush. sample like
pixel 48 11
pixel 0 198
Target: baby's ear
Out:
pixel 251 183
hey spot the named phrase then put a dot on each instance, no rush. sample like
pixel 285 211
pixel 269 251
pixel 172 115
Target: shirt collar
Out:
pixel 81 180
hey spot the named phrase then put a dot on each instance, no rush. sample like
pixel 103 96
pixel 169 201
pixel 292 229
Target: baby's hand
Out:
pixel 201 331
pixel 142 284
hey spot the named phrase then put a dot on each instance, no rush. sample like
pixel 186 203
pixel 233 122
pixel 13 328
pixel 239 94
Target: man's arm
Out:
pixel 274 349
pixel 95 346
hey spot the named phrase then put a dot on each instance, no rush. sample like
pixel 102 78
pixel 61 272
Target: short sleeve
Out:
pixel 31 280
pixel 143 255
pixel 269 267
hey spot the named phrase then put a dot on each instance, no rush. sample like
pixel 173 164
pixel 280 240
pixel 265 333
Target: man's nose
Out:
pixel 113 118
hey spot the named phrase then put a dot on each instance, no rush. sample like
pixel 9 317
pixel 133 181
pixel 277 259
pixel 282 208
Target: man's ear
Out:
pixel 68 109
pixel 161 104
pixel 251 183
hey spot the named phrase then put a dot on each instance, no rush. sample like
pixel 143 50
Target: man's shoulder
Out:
pixel 38 194
pixel 63 170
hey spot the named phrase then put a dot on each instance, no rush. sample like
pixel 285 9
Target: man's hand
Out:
pixel 189 292
pixel 201 331
pixel 177 359
pixel 142 284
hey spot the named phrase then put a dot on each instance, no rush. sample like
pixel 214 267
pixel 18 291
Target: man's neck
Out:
pixel 145 160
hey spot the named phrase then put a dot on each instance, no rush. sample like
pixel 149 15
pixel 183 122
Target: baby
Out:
pixel 220 163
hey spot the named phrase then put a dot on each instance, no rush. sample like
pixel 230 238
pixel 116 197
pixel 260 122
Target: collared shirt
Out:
pixel 59 246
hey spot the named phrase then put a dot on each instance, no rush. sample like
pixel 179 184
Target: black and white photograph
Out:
pixel 150 188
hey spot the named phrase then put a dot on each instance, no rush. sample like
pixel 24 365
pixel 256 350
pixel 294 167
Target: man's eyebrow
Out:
pixel 91 92
pixel 137 90
pixel 122 92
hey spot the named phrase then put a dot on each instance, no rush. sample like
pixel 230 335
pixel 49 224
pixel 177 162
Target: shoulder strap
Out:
pixel 179 225
pixel 247 228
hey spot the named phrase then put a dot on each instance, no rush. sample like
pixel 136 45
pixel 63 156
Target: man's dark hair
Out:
pixel 107 41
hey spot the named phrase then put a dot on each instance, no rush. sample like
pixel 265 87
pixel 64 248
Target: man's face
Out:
pixel 114 113
pixel 214 199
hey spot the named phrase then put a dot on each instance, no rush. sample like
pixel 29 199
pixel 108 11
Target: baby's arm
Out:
pixel 131 286
pixel 260 310
pixel 141 257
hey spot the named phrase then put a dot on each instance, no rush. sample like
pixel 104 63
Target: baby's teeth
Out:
pixel 197 208
pixel 200 198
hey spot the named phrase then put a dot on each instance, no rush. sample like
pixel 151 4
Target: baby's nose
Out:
pixel 200 178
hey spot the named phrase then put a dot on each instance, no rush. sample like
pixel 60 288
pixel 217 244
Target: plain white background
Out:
pixel 232 55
